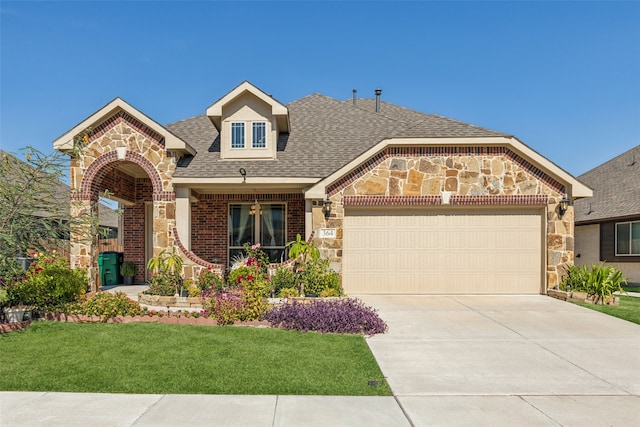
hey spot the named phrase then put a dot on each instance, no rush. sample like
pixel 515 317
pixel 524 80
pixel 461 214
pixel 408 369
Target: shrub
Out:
pixel 341 316
pixel 49 283
pixel 288 293
pixel 575 279
pixel 106 305
pixel 164 285
pixel 601 281
pixel 225 307
pixel 283 278
pixel 316 276
pixel 209 279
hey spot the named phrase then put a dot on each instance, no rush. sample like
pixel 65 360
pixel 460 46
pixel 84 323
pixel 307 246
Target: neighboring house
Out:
pixel 608 224
pixel 398 200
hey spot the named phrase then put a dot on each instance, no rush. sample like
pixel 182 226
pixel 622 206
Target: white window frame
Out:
pixel 630 238
pixel 264 135
pixel 241 127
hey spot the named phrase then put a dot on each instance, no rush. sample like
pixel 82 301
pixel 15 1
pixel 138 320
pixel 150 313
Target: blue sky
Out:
pixel 563 77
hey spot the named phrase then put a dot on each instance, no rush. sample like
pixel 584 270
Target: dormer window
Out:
pixel 237 135
pixel 259 135
pixel 249 123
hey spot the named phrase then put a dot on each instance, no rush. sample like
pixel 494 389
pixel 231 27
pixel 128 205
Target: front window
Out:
pixel 628 238
pixel 259 135
pixel 237 135
pixel 258 223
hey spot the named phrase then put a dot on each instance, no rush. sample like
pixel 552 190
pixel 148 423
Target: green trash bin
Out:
pixel 109 264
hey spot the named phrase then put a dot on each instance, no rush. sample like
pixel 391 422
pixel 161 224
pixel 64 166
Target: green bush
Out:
pixel 575 279
pixel 283 278
pixel 106 305
pixel 317 277
pixel 164 285
pixel 600 281
pixel 49 283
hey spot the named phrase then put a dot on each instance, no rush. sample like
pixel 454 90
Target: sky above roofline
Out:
pixel 560 76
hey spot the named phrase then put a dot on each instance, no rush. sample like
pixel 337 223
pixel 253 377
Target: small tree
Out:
pixel 34 204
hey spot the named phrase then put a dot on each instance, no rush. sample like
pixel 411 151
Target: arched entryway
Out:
pixel 147 210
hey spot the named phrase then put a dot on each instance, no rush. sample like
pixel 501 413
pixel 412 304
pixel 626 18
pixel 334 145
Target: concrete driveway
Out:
pixel 508 360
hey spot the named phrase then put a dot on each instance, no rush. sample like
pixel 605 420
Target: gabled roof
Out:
pixel 325 135
pixel 278 110
pixel 172 142
pixel 616 189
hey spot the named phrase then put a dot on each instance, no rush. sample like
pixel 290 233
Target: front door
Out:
pixel 253 223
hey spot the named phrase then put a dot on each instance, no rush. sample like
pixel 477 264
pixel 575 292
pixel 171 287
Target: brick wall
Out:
pixel 209 221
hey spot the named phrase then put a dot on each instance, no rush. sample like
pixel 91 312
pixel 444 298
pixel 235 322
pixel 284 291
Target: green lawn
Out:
pixel 182 359
pixel 629 309
pixel 628 288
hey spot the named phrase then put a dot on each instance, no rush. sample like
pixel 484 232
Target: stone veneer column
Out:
pixel 84 241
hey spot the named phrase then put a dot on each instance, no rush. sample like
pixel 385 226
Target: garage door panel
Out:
pixel 427 252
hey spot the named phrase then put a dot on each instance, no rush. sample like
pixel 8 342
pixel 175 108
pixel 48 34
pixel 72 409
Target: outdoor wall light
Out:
pixel 563 206
pixel 326 207
pixel 255 208
pixel 243 172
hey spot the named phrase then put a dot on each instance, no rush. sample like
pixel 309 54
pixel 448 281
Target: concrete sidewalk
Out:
pixel 96 410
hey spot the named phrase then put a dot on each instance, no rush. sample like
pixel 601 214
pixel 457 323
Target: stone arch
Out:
pixel 106 162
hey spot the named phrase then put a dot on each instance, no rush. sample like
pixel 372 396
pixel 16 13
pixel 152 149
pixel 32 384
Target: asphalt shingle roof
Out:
pixel 325 135
pixel 616 189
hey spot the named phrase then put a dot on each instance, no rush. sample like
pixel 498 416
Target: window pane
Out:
pixel 273 225
pixel 259 135
pixel 237 135
pixel 240 225
pixel 622 238
pixel 635 238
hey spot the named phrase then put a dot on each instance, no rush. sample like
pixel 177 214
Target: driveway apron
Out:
pixel 507 360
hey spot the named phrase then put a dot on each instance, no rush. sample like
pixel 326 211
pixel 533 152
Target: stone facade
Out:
pixel 490 176
pixel 119 140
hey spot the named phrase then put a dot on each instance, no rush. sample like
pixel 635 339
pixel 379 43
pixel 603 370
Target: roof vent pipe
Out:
pixel 378 92
pixel 355 96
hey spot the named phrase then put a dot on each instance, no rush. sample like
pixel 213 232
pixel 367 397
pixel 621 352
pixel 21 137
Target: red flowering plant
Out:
pixel 208 279
pixel 247 287
pixel 49 283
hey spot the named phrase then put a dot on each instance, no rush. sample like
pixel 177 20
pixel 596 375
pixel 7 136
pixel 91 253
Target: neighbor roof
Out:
pixel 616 189
pixel 325 135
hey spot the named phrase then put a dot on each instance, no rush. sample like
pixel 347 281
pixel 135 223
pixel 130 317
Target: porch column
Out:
pixel 183 215
pixel 308 218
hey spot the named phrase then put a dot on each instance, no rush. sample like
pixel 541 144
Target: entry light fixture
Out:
pixel 563 206
pixel 243 172
pixel 326 207
pixel 255 208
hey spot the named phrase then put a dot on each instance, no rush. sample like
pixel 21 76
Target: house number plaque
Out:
pixel 327 233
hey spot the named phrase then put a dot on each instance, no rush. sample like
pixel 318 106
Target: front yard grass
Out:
pixel 159 358
pixel 629 309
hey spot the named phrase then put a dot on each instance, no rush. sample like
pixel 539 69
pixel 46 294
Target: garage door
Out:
pixel 442 251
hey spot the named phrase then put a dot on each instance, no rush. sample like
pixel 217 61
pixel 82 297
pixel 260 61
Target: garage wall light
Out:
pixel 326 207
pixel 563 206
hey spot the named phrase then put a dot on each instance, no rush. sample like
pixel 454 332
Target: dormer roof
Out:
pixel 278 110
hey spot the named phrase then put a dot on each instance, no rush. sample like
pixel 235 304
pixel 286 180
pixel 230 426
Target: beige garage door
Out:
pixel 442 251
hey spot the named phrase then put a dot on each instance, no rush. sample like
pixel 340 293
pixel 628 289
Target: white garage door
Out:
pixel 442 251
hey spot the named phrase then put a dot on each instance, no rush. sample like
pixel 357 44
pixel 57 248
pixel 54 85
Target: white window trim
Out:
pixel 615 231
pixel 266 137
pixel 248 143
pixel 244 133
